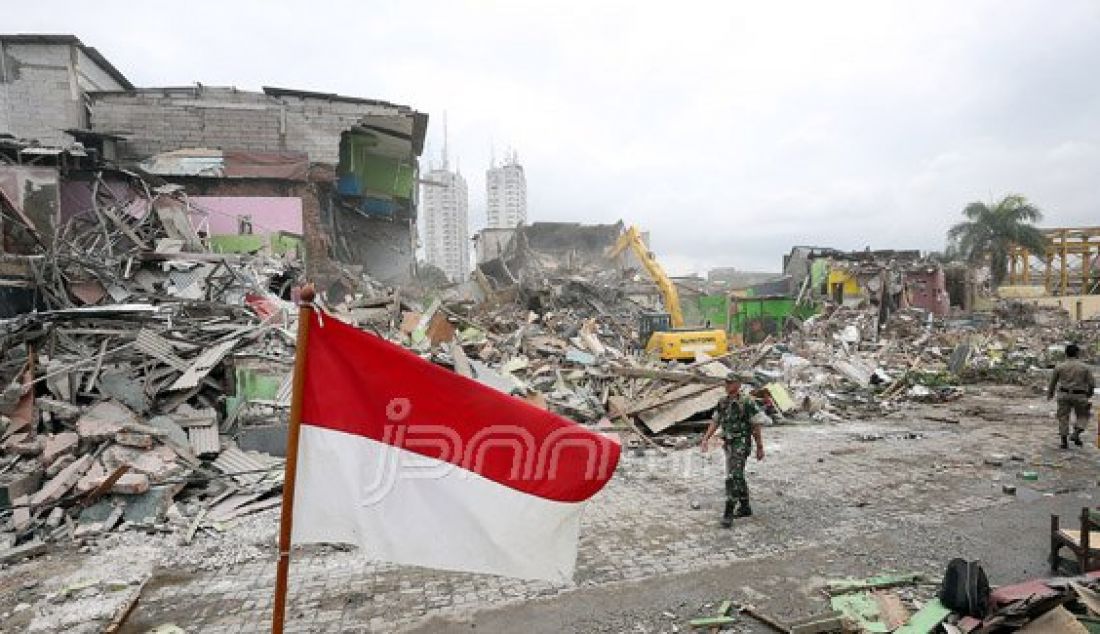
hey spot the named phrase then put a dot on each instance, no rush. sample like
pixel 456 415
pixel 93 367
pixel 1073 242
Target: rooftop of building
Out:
pixel 61 39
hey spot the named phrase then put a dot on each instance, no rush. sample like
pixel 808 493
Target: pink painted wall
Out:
pixel 928 290
pixel 269 213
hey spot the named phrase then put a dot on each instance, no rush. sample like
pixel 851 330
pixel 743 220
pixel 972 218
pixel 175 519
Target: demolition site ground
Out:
pixel 905 492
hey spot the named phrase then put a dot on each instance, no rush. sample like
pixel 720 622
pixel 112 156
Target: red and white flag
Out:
pixel 418 465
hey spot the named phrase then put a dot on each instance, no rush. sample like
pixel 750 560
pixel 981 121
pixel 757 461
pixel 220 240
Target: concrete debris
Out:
pixel 120 383
pixel 149 390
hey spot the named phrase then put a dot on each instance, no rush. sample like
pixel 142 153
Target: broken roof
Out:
pixel 567 236
pixel 216 163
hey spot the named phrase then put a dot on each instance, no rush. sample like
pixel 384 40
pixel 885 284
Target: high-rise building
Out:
pixel 506 187
pixel 444 206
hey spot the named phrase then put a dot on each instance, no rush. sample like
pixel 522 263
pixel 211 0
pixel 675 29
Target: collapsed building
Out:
pixel 336 173
pixel 163 241
pixel 151 241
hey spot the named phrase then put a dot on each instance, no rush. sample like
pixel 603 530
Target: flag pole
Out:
pixel 286 518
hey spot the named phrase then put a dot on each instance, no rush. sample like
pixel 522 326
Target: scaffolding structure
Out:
pixel 1067 268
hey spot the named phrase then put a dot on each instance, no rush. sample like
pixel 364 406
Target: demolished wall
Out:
pixel 313 196
pixel 385 248
pixel 342 216
pixel 551 248
pixel 43 79
pixel 165 119
pixel 34 191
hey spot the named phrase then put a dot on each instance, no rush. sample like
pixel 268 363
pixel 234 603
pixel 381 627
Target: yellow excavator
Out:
pixel 664 332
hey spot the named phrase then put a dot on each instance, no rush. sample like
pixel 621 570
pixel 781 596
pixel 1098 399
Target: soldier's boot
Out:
pixel 727 515
pixel 1065 442
pixel 743 509
pixel 1076 437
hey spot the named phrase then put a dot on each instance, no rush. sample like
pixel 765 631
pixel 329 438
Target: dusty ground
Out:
pixel 906 492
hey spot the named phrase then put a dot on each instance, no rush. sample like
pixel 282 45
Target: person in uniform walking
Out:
pixel 739 415
pixel 1074 384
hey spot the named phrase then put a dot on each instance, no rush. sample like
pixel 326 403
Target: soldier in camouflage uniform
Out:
pixel 739 417
pixel 1075 384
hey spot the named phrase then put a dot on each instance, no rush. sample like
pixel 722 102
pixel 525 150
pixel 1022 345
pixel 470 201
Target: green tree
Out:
pixel 990 229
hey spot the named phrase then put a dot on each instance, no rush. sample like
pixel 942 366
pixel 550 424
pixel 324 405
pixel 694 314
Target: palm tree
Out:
pixel 989 231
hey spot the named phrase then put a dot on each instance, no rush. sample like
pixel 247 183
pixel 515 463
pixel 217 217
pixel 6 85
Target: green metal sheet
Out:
pixel 862 608
pixel 871 583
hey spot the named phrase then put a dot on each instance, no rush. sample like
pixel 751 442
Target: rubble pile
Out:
pixel 132 383
pixel 151 388
pixel 842 363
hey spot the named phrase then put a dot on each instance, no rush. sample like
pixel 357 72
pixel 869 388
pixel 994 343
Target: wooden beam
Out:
pixel 666 375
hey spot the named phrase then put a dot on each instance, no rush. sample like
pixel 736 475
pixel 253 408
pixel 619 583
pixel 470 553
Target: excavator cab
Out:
pixel 649 323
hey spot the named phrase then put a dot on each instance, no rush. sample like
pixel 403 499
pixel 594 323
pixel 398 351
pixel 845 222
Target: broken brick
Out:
pixel 95 475
pixel 151 463
pixel 59 409
pixel 21 514
pixel 29 447
pixel 60 484
pixel 57 465
pixel 58 444
pixel 104 420
pixel 131 484
pixel 132 439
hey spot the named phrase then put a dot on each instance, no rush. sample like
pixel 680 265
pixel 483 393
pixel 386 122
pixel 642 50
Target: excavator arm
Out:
pixel 633 238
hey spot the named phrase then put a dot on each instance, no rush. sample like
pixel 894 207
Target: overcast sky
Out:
pixel 730 130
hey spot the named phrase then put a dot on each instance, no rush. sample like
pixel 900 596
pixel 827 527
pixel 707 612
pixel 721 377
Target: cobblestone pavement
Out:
pixel 820 484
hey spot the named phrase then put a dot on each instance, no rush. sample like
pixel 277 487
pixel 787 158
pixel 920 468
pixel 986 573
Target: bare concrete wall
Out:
pixel 42 90
pixel 1079 306
pixel 383 247
pixel 36 94
pixel 160 120
pixel 491 243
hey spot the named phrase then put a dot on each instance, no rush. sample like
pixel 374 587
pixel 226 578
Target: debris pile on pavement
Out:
pixel 570 338
pixel 151 389
pixel 910 603
pixel 151 355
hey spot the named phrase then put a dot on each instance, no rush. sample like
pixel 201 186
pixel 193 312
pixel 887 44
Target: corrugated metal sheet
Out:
pixel 189 283
pixel 202 365
pixel 158 347
pixel 204 440
pixel 191 162
pixel 286 390
pixel 251 467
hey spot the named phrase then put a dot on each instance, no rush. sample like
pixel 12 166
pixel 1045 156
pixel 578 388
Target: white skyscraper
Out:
pixel 506 187
pixel 444 203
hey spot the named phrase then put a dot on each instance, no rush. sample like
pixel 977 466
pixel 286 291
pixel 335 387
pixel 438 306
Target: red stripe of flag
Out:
pixel 361 384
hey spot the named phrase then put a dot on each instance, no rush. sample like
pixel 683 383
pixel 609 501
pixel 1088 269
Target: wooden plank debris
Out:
pixel 32 548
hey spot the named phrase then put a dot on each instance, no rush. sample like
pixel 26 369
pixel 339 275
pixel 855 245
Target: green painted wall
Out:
pixel 251 243
pixel 253 383
pixel 715 308
pixel 819 271
pixel 755 318
pixel 375 174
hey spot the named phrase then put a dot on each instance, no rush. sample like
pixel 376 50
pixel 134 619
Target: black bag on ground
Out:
pixel 965 588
